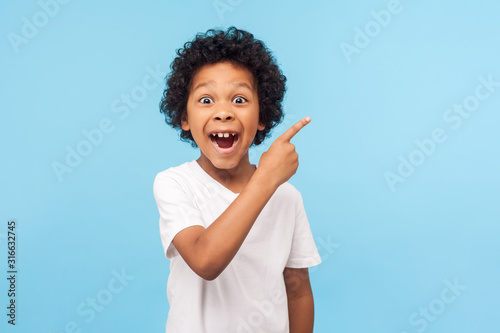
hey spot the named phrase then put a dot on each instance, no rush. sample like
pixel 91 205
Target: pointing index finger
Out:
pixel 290 133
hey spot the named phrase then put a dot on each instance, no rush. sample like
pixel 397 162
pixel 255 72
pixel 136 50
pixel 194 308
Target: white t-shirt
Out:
pixel 249 295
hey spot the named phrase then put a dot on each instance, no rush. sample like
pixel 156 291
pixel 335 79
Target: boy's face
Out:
pixel 223 114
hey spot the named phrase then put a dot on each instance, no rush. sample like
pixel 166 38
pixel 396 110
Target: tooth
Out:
pixel 232 134
pixel 220 135
pixel 226 135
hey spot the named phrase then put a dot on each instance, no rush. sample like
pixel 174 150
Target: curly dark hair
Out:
pixel 238 47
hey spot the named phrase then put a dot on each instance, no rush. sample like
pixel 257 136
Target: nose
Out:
pixel 223 115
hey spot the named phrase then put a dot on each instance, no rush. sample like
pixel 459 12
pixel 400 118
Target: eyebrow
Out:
pixel 212 83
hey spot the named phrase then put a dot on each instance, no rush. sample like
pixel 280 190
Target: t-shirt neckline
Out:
pixel 207 178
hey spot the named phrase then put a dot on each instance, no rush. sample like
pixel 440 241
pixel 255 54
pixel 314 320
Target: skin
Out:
pixel 223 98
pixel 300 300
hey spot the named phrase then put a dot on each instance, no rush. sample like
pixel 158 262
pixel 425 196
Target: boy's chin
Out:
pixel 225 164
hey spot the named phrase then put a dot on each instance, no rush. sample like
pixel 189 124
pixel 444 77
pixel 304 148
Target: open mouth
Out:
pixel 224 140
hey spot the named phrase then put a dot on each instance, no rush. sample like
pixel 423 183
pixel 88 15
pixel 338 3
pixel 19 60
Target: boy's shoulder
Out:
pixel 286 187
pixel 185 173
pixel 183 168
pixel 176 175
pixel 287 193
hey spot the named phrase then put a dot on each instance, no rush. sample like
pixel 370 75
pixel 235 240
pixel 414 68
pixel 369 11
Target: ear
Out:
pixel 261 126
pixel 184 122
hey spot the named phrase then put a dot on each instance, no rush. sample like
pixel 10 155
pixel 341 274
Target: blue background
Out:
pixel 389 251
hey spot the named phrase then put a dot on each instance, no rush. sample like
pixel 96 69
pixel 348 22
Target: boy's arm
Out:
pixel 209 251
pixel 300 300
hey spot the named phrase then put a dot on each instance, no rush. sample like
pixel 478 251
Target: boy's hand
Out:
pixel 281 161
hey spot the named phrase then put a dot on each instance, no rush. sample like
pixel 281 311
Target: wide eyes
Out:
pixel 237 100
pixel 206 100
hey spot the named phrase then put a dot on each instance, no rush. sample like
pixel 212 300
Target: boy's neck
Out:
pixel 234 179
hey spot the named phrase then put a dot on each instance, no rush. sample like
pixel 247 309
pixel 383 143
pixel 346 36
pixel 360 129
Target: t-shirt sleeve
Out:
pixel 303 252
pixel 177 209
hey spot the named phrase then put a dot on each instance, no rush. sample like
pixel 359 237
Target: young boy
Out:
pixel 237 236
